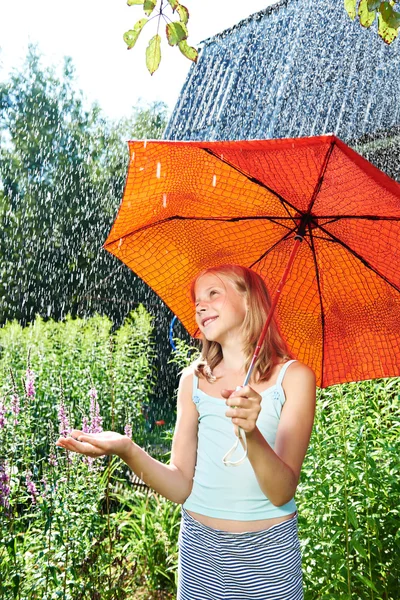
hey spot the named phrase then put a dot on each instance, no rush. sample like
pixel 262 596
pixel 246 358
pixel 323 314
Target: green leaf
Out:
pixel 389 15
pixel 387 33
pixel 188 51
pixel 133 2
pixel 361 551
pixel 183 13
pixel 173 4
pixel 350 6
pixel 176 32
pixel 352 517
pixel 373 4
pixel 132 35
pixel 153 54
pixel 367 582
pixel 366 17
pixel 149 6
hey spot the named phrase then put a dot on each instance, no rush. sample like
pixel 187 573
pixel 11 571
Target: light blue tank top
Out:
pixel 232 492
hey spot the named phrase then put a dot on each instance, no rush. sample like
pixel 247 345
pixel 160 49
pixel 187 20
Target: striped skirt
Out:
pixel 219 565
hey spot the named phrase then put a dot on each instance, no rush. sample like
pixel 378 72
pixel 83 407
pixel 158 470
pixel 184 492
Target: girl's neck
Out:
pixel 233 359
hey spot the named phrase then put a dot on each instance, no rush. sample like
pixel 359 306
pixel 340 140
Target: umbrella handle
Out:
pixel 225 458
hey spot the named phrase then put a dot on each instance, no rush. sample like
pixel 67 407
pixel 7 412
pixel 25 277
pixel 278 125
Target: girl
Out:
pixel 238 537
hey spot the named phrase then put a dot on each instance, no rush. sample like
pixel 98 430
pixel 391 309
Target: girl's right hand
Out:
pixel 96 444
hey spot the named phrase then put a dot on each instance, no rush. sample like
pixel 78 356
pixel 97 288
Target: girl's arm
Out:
pixel 174 481
pixel 278 470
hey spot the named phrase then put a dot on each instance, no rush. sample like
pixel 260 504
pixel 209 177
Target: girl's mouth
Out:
pixel 208 321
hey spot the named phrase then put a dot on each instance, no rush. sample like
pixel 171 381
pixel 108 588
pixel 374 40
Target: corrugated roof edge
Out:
pixel 279 4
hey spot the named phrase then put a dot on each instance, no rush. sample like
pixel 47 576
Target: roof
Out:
pixel 297 68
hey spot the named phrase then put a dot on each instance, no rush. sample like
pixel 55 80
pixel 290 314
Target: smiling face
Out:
pixel 220 308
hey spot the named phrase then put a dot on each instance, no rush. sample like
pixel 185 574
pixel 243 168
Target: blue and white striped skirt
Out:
pixel 219 565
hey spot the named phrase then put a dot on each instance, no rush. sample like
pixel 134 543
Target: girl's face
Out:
pixel 220 308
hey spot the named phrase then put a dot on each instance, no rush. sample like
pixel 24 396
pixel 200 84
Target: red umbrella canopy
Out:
pixel 192 205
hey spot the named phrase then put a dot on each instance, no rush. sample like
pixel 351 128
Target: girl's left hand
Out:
pixel 247 405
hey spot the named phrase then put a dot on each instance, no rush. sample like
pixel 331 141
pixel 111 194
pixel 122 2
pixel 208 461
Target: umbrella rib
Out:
pixel 256 181
pixel 320 301
pixel 274 219
pixel 360 258
pixel 324 167
pixel 284 238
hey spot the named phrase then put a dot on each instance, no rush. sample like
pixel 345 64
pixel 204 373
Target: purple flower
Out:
pixel 15 407
pixel 31 487
pixel 3 411
pixel 64 427
pixel 128 430
pixel 4 487
pixel 96 419
pixel 52 460
pixel 46 487
pixel 85 425
pixel 30 383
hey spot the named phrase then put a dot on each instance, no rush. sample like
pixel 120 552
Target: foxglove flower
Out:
pixel 30 383
pixel 52 460
pixel 64 427
pixel 15 407
pixel 3 420
pixel 4 487
pixel 31 487
pixel 96 419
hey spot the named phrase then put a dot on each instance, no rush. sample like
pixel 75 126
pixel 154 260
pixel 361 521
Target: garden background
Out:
pixel 77 529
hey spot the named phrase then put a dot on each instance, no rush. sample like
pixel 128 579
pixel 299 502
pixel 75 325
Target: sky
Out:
pixel 90 32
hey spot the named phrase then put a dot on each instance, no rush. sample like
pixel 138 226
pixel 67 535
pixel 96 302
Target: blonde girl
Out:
pixel 238 538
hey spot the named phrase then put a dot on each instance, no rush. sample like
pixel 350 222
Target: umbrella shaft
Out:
pixel 274 302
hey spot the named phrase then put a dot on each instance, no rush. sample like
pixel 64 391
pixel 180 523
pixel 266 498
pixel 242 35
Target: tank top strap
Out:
pixel 195 385
pixel 283 371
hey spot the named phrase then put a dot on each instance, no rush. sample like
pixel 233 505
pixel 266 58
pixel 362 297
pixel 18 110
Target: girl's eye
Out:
pixel 213 292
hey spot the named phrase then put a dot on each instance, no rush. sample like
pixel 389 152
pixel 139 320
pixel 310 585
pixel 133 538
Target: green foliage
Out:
pixel 148 528
pixel 176 31
pixel 90 532
pixel 60 542
pixel 369 10
pixel 62 173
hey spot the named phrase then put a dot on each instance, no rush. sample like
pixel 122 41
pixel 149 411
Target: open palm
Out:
pixel 95 444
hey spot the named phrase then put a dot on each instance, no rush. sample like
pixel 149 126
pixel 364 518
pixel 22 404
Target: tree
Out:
pixel 62 172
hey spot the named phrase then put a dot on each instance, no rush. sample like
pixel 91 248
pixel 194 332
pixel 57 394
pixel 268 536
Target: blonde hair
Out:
pixel 252 286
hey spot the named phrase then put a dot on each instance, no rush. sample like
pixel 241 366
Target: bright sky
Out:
pixel 90 31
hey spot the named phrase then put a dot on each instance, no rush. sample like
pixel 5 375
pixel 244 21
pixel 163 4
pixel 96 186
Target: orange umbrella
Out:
pixel 309 208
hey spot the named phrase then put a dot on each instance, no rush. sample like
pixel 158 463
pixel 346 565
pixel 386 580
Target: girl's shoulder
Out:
pixel 298 374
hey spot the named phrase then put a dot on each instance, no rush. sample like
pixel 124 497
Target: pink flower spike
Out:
pixel 30 383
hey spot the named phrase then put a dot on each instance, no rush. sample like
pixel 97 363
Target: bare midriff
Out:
pixel 238 526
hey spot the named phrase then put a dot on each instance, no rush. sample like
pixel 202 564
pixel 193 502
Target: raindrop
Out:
pixel 158 174
pixel 164 200
pixel 119 243
pixel 214 181
pixel 144 143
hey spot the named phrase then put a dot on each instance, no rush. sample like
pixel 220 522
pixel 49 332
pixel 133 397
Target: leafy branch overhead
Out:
pixel 370 10
pixel 176 31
